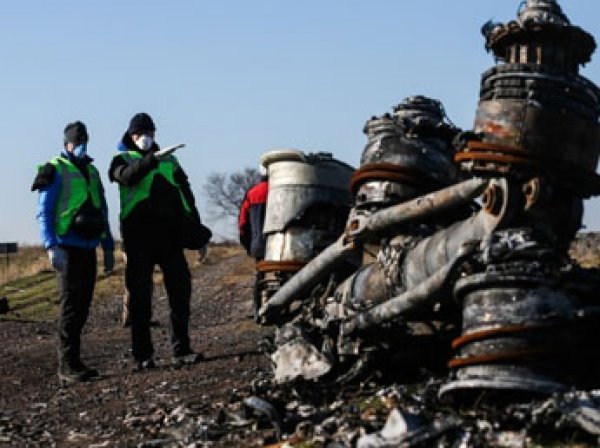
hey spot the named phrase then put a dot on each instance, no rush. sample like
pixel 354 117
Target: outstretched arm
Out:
pixel 129 173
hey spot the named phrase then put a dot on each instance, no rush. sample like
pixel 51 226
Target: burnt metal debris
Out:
pixel 307 207
pixel 468 231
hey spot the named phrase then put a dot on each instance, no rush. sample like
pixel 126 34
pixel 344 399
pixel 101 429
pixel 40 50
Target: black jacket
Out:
pixel 156 219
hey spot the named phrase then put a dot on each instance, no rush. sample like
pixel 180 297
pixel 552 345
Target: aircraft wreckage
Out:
pixel 447 249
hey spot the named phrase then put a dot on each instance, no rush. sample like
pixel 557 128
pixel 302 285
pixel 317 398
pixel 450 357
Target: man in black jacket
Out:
pixel 155 196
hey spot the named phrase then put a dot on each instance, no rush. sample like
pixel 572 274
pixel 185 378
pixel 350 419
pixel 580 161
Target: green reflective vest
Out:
pixel 75 191
pixel 133 195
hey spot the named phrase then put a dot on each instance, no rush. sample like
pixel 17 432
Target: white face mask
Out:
pixel 144 142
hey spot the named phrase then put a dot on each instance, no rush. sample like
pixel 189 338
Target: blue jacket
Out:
pixel 49 190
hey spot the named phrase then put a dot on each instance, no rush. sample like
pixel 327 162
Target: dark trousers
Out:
pixel 257 294
pixel 138 279
pixel 76 288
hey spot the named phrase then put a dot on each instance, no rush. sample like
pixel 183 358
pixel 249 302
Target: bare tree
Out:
pixel 225 192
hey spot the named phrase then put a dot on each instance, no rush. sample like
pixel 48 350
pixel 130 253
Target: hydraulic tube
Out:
pixel 417 209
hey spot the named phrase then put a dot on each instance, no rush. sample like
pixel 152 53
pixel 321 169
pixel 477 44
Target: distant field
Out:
pixel 30 284
pixel 31 288
pixel 29 260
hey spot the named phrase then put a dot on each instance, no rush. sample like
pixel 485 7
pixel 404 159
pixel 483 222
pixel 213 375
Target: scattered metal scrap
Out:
pixel 369 416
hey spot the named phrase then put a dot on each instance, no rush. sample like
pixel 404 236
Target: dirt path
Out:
pixel 124 408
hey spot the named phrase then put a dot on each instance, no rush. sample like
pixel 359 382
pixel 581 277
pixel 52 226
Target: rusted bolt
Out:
pixel 493 199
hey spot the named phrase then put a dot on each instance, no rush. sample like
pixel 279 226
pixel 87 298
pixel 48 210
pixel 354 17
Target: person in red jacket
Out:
pixel 250 225
pixel 252 218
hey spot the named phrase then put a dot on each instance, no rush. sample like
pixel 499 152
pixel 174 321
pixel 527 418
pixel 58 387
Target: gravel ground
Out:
pixel 124 408
pixel 229 400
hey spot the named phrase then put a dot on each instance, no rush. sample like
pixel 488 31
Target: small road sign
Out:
pixel 8 248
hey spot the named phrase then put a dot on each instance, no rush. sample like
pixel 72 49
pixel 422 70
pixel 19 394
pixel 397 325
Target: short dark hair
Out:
pixel 76 132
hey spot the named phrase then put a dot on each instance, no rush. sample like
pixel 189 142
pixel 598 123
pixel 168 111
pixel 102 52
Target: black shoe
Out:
pixel 68 374
pixel 89 372
pixel 187 359
pixel 147 364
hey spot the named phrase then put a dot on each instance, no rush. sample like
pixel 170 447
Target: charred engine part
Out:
pixel 307 208
pixel 365 288
pixel 536 114
pixel 322 349
pixel 537 119
pixel 300 283
pixel 528 324
pixel 407 154
pixel 426 269
pixel 421 209
pixel 360 228
pixel 537 126
pixel 417 270
pixel 517 315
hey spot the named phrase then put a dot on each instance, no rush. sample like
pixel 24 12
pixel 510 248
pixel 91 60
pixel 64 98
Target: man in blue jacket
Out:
pixel 73 219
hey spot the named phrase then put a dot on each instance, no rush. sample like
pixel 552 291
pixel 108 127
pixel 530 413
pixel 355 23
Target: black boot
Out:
pixel 90 373
pixel 69 374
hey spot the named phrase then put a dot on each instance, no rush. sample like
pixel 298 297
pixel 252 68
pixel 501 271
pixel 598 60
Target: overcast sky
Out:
pixel 231 79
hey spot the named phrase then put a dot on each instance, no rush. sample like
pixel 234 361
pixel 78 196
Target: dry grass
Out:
pixel 590 259
pixel 585 250
pixel 29 260
pixel 31 286
pixel 593 262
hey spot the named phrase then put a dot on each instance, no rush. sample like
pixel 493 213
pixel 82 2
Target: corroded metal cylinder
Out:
pixel 547 117
pixel 536 114
pixel 524 330
pixel 307 205
pixel 529 324
pixel 307 208
pixel 406 155
pixel 364 289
